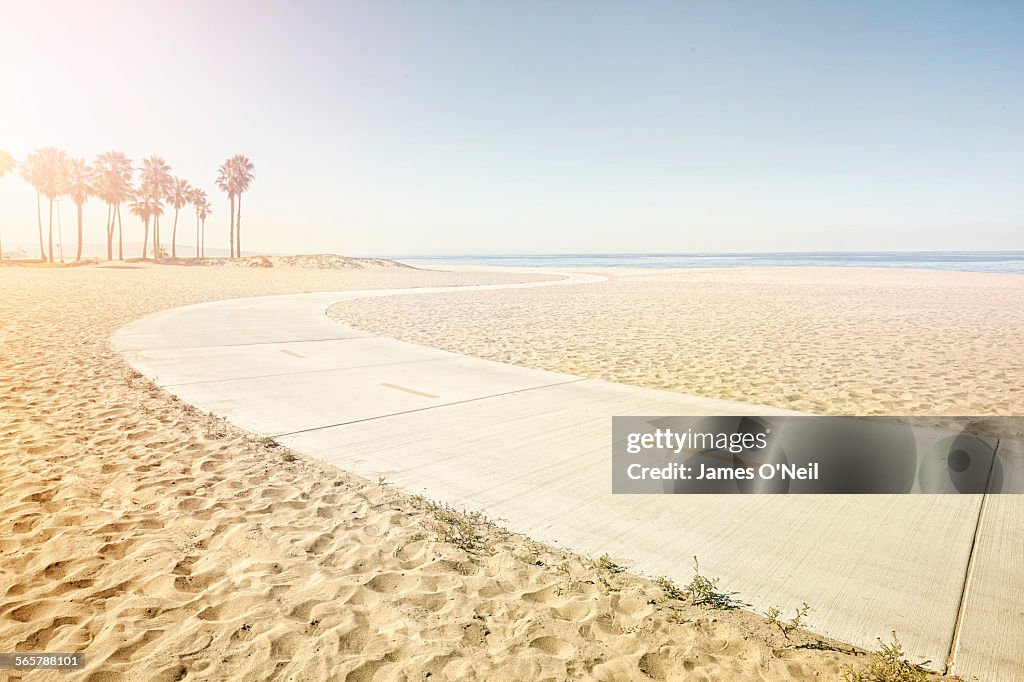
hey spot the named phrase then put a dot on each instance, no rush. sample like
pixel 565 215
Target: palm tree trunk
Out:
pixel 78 256
pixel 156 238
pixel 202 240
pixel 197 234
pixel 238 227
pixel 145 239
pixel 51 231
pixel 174 236
pixel 120 235
pixel 60 235
pixel 232 235
pixel 110 232
pixel 39 217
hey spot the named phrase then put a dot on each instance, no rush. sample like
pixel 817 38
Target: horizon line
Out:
pixel 615 254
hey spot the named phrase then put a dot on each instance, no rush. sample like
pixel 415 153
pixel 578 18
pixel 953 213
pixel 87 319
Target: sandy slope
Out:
pixel 168 545
pixel 859 341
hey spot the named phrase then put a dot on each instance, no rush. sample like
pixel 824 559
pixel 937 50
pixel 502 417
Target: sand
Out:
pixel 837 341
pixel 168 545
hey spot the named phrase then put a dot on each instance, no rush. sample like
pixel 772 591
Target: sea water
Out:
pixel 970 261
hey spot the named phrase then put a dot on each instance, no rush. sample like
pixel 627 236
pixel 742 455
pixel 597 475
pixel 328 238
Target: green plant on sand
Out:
pixel 774 615
pixel 888 664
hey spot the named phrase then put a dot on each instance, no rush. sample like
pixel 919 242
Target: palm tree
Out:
pixel 100 185
pixel 155 183
pixel 225 182
pixel 147 207
pixel 192 193
pixel 243 176
pixel 34 173
pixel 7 165
pixel 53 164
pixel 205 210
pixel 141 208
pixel 197 198
pixel 78 185
pixel 123 192
pixel 178 195
pixel 113 183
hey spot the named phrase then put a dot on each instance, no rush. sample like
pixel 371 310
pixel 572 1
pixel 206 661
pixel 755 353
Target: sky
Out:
pixel 453 127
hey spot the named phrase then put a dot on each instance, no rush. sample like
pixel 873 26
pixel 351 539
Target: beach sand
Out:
pixel 168 545
pixel 839 341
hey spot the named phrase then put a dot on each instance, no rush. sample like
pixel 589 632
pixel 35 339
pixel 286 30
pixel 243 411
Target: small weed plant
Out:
pixel 463 529
pixel 605 562
pixel 774 617
pixel 703 591
pixel 671 590
pixel 888 664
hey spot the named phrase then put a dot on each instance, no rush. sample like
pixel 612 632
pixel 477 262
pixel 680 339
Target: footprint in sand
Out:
pixel 116 550
pixel 283 648
pixel 387 583
pixel 38 640
pixel 553 646
pixel 353 641
pixel 547 596
pixel 38 610
pixel 127 652
pixel 72 586
pixel 195 583
pixel 57 570
pixel 304 611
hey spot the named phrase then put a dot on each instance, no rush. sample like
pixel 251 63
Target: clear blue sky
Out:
pixel 483 127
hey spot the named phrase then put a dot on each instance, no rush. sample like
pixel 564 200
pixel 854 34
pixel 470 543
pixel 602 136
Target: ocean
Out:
pixel 968 261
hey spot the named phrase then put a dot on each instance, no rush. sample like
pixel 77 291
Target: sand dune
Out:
pixel 168 545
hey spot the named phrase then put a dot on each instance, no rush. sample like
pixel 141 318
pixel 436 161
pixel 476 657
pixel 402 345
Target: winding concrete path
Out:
pixel 533 448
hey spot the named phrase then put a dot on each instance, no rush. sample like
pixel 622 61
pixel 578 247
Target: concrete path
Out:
pixel 533 448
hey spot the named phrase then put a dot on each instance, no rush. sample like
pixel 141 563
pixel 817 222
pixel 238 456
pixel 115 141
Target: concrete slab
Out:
pixel 990 637
pixel 215 325
pixel 176 366
pixel 288 403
